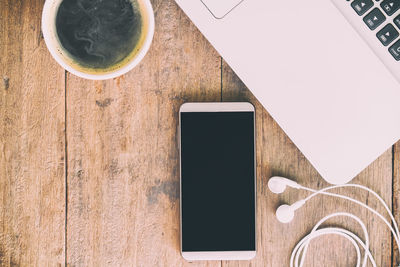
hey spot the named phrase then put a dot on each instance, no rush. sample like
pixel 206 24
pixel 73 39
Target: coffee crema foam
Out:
pixel 100 35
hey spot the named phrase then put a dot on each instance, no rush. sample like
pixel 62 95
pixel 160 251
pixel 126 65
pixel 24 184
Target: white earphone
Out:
pixel 285 214
pixel 278 184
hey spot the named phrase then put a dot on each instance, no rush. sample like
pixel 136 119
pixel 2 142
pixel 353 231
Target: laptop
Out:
pixel 327 71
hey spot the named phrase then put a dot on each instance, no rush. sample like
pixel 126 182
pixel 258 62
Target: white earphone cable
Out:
pixel 322 191
pixel 285 214
pixel 302 246
pixel 395 236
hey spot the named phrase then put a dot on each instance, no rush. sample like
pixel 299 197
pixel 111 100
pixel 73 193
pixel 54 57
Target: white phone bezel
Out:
pixel 216 107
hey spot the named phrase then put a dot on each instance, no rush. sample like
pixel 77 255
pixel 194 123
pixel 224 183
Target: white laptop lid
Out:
pixel 219 9
pixel 313 73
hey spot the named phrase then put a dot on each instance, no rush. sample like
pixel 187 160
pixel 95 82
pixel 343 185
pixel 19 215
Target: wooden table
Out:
pixel 89 170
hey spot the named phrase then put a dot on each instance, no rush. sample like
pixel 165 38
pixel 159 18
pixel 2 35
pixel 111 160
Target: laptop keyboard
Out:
pixel 376 13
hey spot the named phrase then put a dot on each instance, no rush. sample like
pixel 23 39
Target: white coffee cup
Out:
pixel 49 14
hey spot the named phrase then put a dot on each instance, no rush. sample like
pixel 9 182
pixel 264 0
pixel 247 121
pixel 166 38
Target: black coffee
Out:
pixel 99 34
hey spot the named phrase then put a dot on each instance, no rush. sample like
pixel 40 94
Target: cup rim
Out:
pixel 102 76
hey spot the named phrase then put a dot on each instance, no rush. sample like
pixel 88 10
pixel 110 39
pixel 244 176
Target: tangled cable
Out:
pixel 285 214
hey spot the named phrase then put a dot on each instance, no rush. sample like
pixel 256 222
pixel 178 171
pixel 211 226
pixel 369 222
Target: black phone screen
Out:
pixel 217 181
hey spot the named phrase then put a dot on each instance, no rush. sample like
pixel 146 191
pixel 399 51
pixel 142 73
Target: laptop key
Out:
pixel 374 18
pixel 362 6
pixel 390 6
pixel 395 50
pixel 397 21
pixel 387 34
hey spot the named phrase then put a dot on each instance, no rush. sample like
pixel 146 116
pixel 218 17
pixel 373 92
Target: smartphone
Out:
pixel 217 181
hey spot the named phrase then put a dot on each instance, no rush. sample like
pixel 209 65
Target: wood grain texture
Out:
pixel 277 155
pixel 122 165
pixel 32 192
pixel 123 171
pixel 396 197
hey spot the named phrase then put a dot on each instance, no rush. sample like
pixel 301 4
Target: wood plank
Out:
pixel 32 178
pixel 277 155
pixel 123 171
pixel 396 197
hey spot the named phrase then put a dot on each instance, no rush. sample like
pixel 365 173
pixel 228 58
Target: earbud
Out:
pixel 285 213
pixel 278 184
